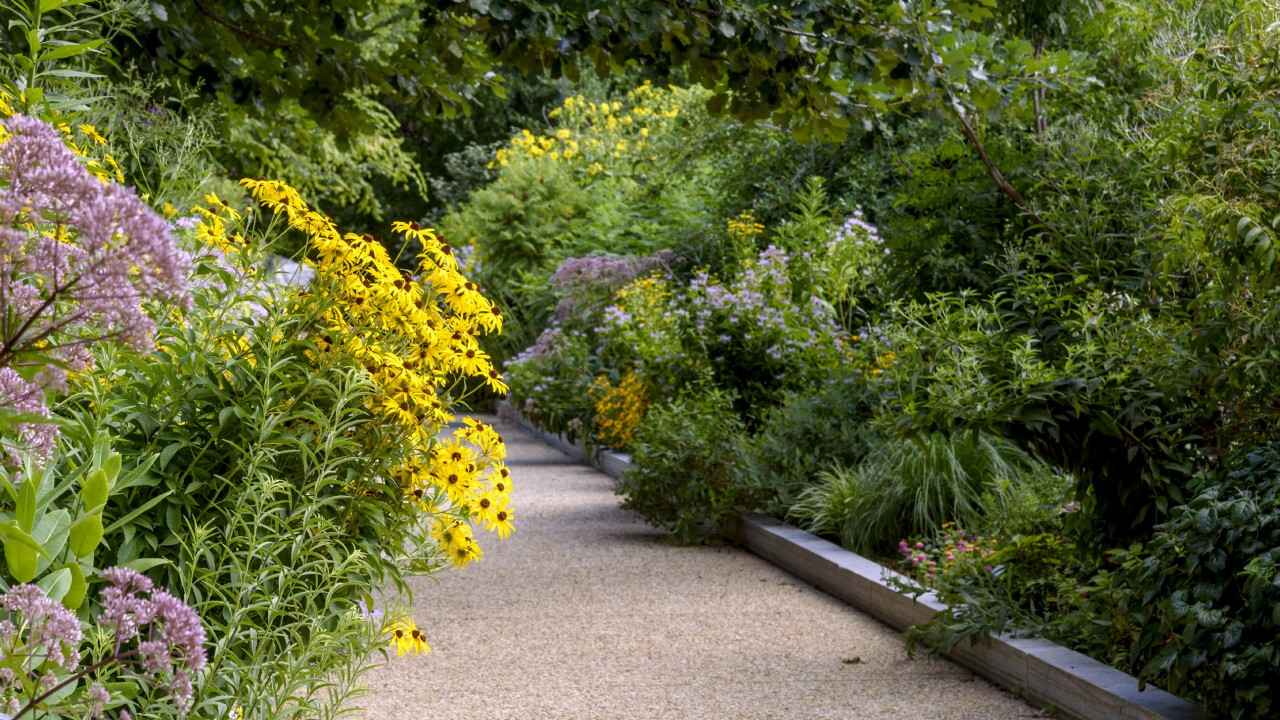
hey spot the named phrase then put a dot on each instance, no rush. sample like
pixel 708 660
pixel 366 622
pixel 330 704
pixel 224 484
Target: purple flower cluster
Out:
pixel 42 623
pixel 542 348
pixel 170 636
pixel 77 256
pixel 25 396
pixel 857 231
pixel 45 637
pixel 586 281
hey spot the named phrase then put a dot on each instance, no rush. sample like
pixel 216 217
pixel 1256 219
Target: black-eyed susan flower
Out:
pixel 406 638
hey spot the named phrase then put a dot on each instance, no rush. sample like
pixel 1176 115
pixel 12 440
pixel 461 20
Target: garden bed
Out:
pixel 1043 672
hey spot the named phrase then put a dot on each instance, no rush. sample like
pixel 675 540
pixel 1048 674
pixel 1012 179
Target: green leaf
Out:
pixel 26 510
pixel 51 532
pixel 75 595
pixel 85 535
pixel 93 492
pixel 56 584
pixel 169 451
pixel 21 552
pixel 66 51
pixel 144 564
pixel 111 466
pixel 126 690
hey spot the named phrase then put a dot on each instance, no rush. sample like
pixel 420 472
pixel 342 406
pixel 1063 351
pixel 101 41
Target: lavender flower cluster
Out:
pixel 541 349
pixel 40 637
pixel 856 247
pixel 169 634
pixel 584 281
pixel 77 256
pixel 758 302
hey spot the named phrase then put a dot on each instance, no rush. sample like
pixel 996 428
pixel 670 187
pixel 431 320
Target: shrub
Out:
pixel 294 464
pixel 551 380
pixel 811 431
pixel 685 467
pixel 907 487
pixel 1210 584
pixel 758 339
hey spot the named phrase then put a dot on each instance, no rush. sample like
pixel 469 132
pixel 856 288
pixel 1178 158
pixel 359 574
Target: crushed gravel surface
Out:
pixel 588 613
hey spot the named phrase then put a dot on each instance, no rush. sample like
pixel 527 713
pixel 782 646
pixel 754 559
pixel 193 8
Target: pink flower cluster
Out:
pixel 954 552
pixel 170 636
pixel 45 637
pixel 77 257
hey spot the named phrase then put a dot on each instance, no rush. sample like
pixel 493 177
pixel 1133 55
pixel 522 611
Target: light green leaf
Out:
pixel 144 564
pixel 21 552
pixel 26 510
pixel 85 535
pixel 75 595
pixel 93 492
pixel 56 583
pixel 66 51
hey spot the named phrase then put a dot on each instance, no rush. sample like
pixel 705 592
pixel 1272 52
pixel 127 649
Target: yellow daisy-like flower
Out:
pixel 92 133
pixel 220 206
pixel 407 638
pixel 502 517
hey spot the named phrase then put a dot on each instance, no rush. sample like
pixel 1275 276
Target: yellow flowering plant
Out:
pixel 619 408
pixel 614 174
pixel 300 421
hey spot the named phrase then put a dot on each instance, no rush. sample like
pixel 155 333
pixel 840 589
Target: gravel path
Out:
pixel 586 612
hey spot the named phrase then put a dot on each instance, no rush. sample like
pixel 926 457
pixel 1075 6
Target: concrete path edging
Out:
pixel 1042 671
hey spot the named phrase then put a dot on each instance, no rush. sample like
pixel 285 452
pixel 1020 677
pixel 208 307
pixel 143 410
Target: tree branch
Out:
pixel 1010 191
pixel 204 10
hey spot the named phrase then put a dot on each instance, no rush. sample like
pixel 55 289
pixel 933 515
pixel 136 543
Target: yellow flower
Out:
pixel 219 205
pixel 407 638
pixel 115 166
pixel 502 518
pixel 92 133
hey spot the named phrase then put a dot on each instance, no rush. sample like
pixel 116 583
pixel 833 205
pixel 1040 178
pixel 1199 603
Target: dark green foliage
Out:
pixel 685 472
pixel 1211 586
pixel 807 434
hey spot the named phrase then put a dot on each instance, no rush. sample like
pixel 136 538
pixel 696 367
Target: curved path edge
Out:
pixel 1041 670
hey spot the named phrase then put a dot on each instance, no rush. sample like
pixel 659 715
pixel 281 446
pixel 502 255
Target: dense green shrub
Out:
pixel 685 472
pixel 289 442
pixel 550 382
pixel 811 431
pixel 1210 587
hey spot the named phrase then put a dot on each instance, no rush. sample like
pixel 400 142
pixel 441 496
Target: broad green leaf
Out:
pixel 169 451
pixel 126 690
pixel 51 532
pixel 93 493
pixel 144 564
pixel 26 509
pixel 111 466
pixel 21 552
pixel 75 595
pixel 85 535
pixel 56 583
